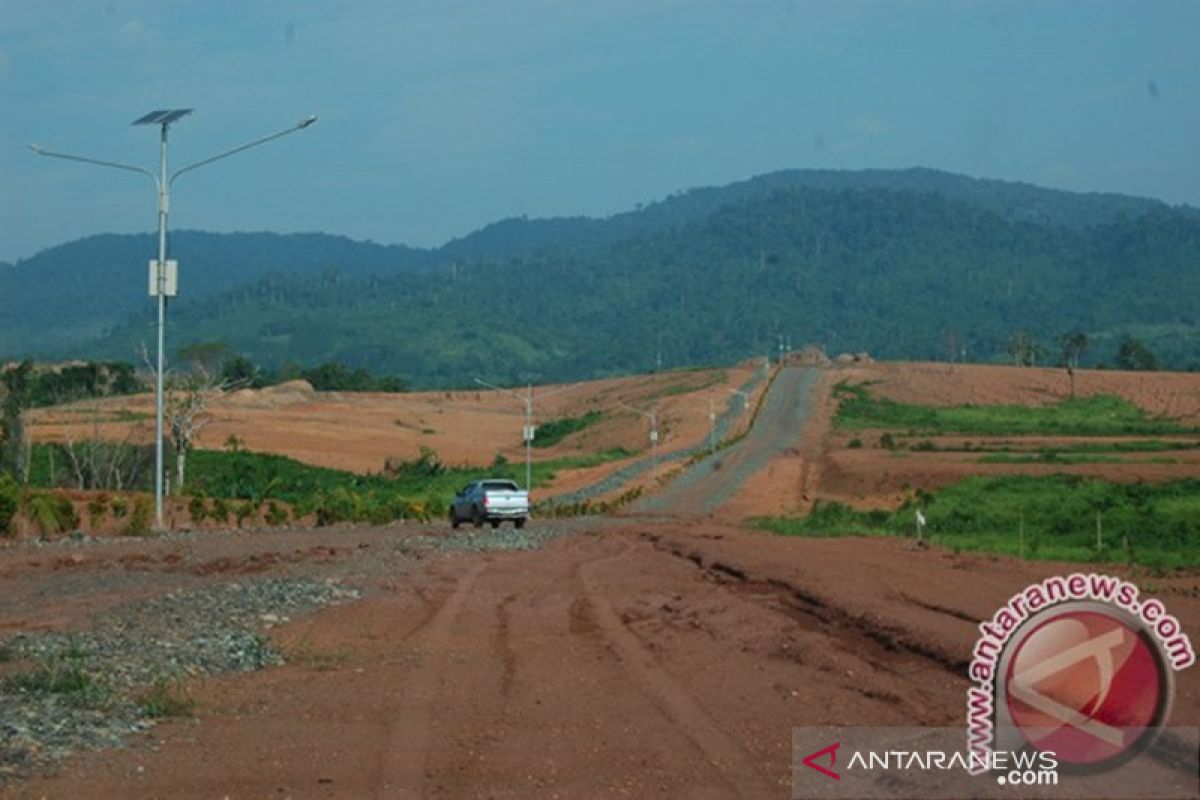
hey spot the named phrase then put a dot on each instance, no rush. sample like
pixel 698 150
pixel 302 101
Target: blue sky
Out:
pixel 439 117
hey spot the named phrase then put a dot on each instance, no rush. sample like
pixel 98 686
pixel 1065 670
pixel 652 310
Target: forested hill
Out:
pixel 902 264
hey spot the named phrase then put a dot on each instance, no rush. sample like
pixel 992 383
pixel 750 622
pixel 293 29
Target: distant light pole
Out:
pixel 159 269
pixel 528 431
pixel 745 398
pixel 712 425
pixel 651 415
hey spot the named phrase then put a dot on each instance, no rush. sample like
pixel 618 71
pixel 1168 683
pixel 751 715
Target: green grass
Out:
pixel 553 432
pixel 1099 415
pixel 64 675
pixel 1150 525
pixel 1053 457
pixel 247 475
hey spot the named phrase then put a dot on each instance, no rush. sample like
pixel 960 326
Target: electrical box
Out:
pixel 171 278
pixel 530 430
pixel 654 436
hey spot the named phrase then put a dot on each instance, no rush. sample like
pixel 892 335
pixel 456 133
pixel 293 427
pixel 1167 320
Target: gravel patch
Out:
pixel 80 690
pixel 534 535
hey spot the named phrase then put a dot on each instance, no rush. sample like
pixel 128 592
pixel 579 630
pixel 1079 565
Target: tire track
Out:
pixel 593 613
pixel 406 751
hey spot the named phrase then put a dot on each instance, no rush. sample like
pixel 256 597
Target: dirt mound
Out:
pixel 285 394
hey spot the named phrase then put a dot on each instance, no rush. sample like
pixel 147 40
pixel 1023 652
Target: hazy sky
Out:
pixel 439 117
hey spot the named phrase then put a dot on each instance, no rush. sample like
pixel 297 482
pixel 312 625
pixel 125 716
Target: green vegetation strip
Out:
pixel 1040 517
pixel 236 483
pixel 1099 415
pixel 553 432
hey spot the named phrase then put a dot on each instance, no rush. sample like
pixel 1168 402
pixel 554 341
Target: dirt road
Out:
pixel 645 656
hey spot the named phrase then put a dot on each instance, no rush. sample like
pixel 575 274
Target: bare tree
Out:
pixel 185 407
pixel 98 462
pixel 1073 345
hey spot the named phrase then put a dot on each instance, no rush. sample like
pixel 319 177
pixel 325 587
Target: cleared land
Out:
pixel 359 432
pixel 857 466
pixel 660 653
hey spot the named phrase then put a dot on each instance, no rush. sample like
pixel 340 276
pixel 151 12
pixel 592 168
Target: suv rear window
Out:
pixel 507 486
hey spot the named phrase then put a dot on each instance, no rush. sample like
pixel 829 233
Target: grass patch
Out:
pixel 1100 415
pixel 64 675
pixel 1149 525
pixel 1052 457
pixel 165 699
pixel 555 431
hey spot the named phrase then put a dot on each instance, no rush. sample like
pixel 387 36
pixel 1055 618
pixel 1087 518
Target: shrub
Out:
pixel 50 512
pixel 245 511
pixel 10 500
pixel 854 443
pixel 887 441
pixel 219 511
pixel 924 446
pixel 139 518
pixel 197 508
pixel 554 431
pixel 427 465
pixel 338 505
pixel 119 507
pixel 97 509
pixel 276 515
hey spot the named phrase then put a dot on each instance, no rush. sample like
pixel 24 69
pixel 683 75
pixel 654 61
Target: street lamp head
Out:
pixel 37 148
pixel 309 120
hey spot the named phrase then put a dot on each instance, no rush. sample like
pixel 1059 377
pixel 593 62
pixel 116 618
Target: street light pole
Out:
pixel 651 415
pixel 163 118
pixel 712 425
pixel 527 432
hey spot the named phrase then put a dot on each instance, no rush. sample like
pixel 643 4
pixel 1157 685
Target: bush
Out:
pixel 219 511
pixel 854 443
pixel 338 505
pixel 245 510
pixel 197 508
pixel 139 519
pixel 427 465
pixel 554 431
pixel 119 507
pixel 97 509
pixel 887 441
pixel 276 515
pixel 51 513
pixel 10 500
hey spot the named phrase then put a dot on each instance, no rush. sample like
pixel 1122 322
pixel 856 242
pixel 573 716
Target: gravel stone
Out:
pixel 205 631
